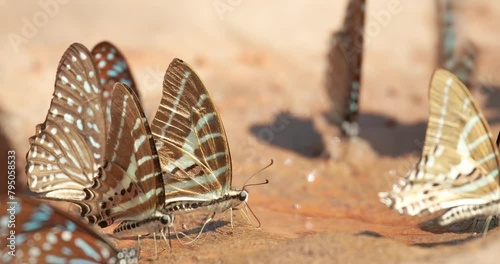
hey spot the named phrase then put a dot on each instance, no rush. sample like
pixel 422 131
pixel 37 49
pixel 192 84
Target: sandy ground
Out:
pixel 264 64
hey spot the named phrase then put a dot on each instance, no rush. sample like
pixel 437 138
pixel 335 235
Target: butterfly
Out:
pixel 192 147
pixel 112 67
pixel 343 78
pixel 68 148
pixel 34 232
pixel 459 61
pixel 458 171
pixel 112 174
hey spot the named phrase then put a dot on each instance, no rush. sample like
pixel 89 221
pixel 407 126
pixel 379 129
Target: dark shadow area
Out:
pixel 462 227
pixel 291 133
pixel 210 227
pixel 369 234
pixel 492 95
pixel 446 243
pixel 390 138
pixel 424 245
pixel 385 135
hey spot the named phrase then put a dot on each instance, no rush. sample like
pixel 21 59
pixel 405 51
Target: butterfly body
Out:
pixel 153 224
pixel 459 168
pixel 215 205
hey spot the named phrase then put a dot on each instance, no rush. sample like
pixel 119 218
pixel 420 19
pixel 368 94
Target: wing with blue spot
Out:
pixel 44 234
pixel 112 67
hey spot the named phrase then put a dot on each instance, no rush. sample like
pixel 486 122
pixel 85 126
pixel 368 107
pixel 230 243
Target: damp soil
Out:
pixel 264 65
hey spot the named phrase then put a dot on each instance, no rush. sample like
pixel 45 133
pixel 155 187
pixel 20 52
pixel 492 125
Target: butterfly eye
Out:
pixel 165 220
pixel 243 196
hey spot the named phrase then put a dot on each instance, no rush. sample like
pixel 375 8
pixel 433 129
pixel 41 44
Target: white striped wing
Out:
pixel 190 138
pixel 68 148
pixel 130 184
pixel 460 160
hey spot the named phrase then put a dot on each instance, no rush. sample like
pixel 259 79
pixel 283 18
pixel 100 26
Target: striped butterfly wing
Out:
pixel 44 234
pixel 460 160
pixel 343 79
pixel 460 62
pixel 190 138
pixel 129 185
pixel 112 67
pixel 68 148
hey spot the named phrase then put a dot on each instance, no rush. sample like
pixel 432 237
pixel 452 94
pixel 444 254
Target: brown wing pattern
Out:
pixel 190 138
pixel 130 185
pixel 68 148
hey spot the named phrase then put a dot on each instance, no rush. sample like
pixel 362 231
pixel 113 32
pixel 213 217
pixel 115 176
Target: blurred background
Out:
pixel 264 64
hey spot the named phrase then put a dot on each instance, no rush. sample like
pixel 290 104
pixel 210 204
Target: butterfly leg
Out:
pixel 201 230
pixel 244 213
pixel 165 238
pixel 191 240
pixel 177 235
pixel 231 212
pixel 139 243
pixel 487 225
pixel 156 249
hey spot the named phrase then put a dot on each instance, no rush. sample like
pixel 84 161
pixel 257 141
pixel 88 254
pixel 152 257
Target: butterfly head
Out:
pixel 166 220
pixel 243 196
pixel 236 197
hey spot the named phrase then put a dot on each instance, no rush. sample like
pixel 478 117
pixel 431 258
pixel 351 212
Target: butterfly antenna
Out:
pixel 201 231
pixel 169 240
pixel 259 171
pixel 139 242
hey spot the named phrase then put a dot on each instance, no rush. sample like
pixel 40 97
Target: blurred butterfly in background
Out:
pixel 457 57
pixel 458 171
pixel 35 232
pixel 343 80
